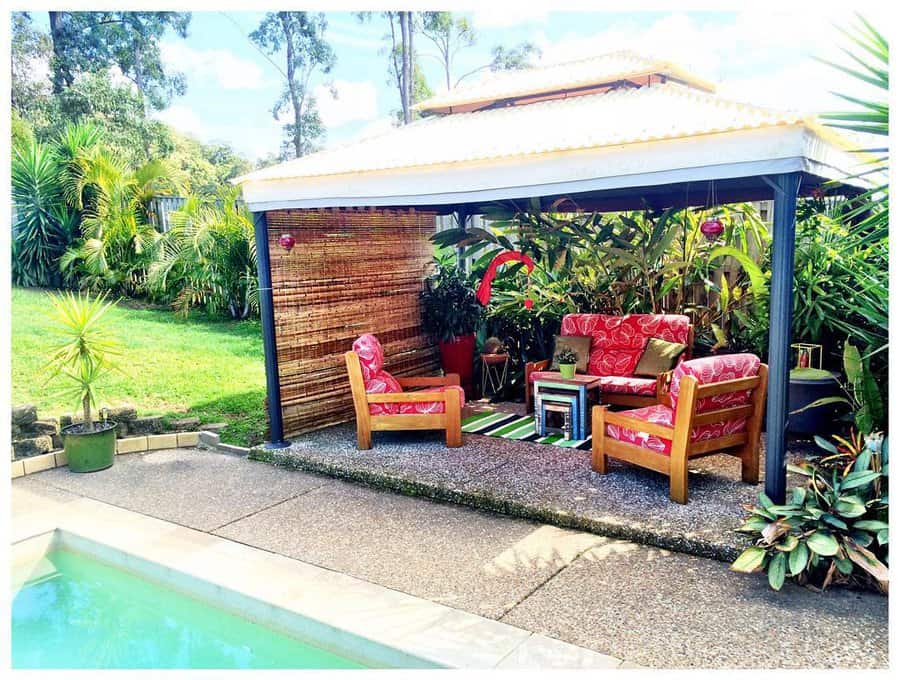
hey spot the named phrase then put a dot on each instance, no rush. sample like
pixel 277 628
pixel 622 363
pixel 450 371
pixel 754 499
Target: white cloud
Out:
pixel 500 16
pixel 346 101
pixel 758 57
pixel 228 71
pixel 183 119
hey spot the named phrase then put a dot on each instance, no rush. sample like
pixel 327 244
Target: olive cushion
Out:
pixel 581 345
pixel 659 356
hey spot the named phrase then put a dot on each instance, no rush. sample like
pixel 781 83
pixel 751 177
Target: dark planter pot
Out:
pixel 90 451
pixel 458 356
pixel 807 386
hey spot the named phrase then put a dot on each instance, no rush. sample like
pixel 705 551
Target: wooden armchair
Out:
pixel 382 404
pixel 713 405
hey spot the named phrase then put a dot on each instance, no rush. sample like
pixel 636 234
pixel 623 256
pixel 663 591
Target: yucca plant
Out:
pixel 44 225
pixel 85 349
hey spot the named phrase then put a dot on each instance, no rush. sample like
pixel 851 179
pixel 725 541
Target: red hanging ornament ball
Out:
pixel 712 229
pixel 286 241
pixel 529 303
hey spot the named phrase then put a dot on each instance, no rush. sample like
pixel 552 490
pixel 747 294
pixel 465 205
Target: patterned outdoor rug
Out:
pixel 514 426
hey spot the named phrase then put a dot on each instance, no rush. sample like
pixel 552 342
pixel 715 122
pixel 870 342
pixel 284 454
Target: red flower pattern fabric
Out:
pixel 716 369
pixel 379 381
pixel 617 342
pixel 625 384
pixel 620 384
pixel 664 415
pixel 707 370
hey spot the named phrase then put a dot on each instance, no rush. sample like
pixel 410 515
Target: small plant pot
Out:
pixel 90 451
pixel 567 371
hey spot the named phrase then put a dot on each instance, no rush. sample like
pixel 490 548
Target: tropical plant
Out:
pixel 208 257
pixel 871 60
pixel 832 529
pixel 44 225
pixel 449 307
pixel 83 354
pixel 117 241
pixel 629 262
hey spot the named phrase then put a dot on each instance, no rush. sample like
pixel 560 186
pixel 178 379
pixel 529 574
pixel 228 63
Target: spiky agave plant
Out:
pixel 85 348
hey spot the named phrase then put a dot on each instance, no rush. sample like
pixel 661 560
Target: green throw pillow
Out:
pixel 659 356
pixel 579 344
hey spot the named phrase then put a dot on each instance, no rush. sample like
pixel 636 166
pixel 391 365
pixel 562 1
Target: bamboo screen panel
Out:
pixel 352 271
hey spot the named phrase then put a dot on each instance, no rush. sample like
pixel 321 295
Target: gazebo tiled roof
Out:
pixel 602 123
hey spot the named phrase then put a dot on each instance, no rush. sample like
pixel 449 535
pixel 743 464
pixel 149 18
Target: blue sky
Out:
pixel 763 57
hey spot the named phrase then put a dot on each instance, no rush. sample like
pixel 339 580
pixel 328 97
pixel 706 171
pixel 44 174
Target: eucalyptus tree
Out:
pixel 301 35
pixel 87 42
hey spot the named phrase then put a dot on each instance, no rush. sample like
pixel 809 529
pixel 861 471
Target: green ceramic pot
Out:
pixel 90 451
pixel 567 371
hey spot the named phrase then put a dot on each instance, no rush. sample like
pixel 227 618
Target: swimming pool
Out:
pixel 73 611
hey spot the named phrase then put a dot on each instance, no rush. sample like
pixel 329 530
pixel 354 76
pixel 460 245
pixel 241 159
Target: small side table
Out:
pixel 577 389
pixel 494 371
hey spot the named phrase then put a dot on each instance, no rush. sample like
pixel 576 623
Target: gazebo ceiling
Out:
pixel 615 147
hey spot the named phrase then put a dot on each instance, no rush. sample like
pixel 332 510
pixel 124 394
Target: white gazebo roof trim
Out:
pixel 625 137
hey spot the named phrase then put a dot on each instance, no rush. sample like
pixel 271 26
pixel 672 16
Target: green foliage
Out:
pixel 301 35
pixel 566 355
pixel 117 242
pixel 83 353
pixel 200 366
pixel 90 41
pixel 204 169
pixel 208 258
pixel 29 47
pixel 449 307
pixel 832 529
pixel 44 225
pixel 621 263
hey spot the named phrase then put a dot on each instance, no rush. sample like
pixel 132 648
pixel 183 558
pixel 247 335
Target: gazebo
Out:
pixel 343 234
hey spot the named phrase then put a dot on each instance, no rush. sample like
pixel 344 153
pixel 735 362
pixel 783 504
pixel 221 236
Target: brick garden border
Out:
pixel 149 442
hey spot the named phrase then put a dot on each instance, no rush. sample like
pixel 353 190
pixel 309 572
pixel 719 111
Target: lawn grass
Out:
pixel 199 366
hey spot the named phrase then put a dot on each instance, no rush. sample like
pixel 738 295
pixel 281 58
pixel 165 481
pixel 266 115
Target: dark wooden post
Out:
pixel 267 320
pixel 781 298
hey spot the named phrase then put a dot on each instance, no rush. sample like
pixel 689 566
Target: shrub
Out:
pixel 832 529
pixel 449 307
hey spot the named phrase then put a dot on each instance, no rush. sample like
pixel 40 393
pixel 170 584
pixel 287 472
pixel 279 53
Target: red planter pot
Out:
pixel 457 356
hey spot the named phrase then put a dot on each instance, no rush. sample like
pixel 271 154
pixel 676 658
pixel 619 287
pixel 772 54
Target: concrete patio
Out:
pixel 541 483
pixel 643 604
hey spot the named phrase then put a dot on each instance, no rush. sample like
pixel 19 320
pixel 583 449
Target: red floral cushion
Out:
pixel 379 381
pixel 664 415
pixel 624 384
pixel 371 355
pixel 415 407
pixel 716 369
pixel 619 384
pixel 618 341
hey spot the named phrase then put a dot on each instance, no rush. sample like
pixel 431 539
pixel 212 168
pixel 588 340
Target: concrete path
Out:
pixel 646 605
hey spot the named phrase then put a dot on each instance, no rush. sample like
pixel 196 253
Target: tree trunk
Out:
pixel 292 88
pixel 405 88
pixel 58 78
pixel 86 407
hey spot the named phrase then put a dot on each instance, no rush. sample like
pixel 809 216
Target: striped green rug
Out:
pixel 513 426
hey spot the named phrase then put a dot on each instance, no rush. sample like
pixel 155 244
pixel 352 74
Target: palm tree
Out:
pixel 117 239
pixel 208 257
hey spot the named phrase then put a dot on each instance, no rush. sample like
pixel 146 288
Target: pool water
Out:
pixel 76 612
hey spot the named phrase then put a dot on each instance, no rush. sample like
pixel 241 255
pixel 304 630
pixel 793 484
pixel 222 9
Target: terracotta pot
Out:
pixel 457 356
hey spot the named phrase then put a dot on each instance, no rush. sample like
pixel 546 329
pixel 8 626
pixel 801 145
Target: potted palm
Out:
pixel 83 356
pixel 450 314
pixel 566 359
